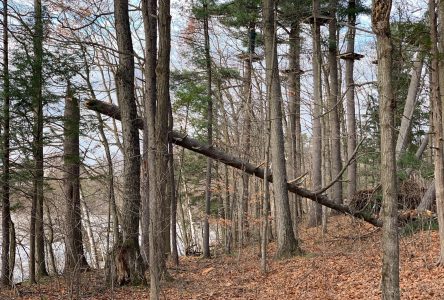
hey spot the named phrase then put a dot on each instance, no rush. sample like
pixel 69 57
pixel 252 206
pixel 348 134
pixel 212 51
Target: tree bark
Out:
pixel 333 103
pixel 390 244
pixel 149 12
pixel 172 193
pixel 350 98
pixel 265 204
pixel 74 254
pixel 315 212
pixel 158 153
pixel 6 278
pixel 206 228
pixel 37 244
pixel 246 132
pixel 409 107
pixel 287 245
pixel 294 85
pixel 438 96
pixel 131 148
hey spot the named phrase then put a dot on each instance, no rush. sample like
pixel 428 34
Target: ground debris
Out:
pixel 334 266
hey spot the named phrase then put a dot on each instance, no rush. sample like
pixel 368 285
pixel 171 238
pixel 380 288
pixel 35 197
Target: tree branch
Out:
pixel 217 154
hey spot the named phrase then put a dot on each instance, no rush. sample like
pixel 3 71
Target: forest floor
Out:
pixel 345 263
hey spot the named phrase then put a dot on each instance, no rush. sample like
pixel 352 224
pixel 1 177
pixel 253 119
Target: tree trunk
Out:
pixel 6 279
pixel 333 103
pixel 265 204
pixel 246 132
pixel 74 254
pixel 130 135
pixel 50 241
pixel 350 96
pixel 287 245
pixel 315 212
pixel 438 96
pixel 89 231
pixel 428 198
pixel 409 107
pixel 294 85
pixel 172 194
pixel 206 231
pixel 390 244
pixel 149 12
pixel 37 244
pixel 158 137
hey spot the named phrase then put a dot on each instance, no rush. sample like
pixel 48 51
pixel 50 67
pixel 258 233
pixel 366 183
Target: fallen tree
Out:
pixel 183 140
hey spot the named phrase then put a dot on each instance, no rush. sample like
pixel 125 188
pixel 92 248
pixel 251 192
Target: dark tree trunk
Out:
pixel 130 134
pixel 206 231
pixel 74 254
pixel 37 244
pixel 6 278
pixel 158 137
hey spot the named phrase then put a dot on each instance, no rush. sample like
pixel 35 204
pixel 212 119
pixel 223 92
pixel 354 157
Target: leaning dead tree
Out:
pixel 186 142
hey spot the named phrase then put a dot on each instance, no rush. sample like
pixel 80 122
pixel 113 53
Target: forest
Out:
pixel 222 149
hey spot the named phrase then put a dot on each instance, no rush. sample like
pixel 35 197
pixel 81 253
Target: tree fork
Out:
pixel 183 140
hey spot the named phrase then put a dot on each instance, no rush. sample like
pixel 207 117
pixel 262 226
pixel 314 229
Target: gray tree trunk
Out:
pixel 333 104
pixel 315 211
pixel 172 194
pixel 149 12
pixel 409 107
pixel 350 98
pixel 294 85
pixel 438 85
pixel 89 230
pixel 246 140
pixel 287 245
pixel 390 244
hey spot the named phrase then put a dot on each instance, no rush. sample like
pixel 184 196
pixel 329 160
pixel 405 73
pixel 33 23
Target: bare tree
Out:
pixel 350 96
pixel 333 103
pixel 206 231
pixel 437 95
pixel 390 244
pixel 74 255
pixel 287 245
pixel 315 213
pixel 131 147
pixel 6 276
pixel 158 153
pixel 149 11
